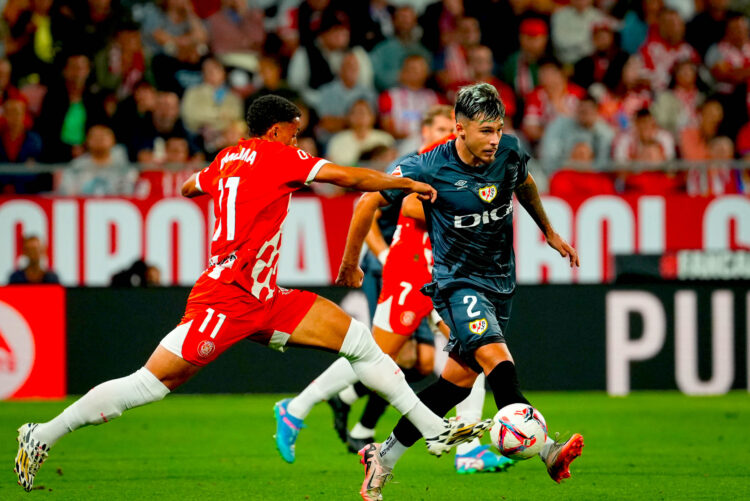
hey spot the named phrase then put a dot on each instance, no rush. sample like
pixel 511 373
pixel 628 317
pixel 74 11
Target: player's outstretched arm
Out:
pixel 528 196
pixel 190 189
pixel 361 179
pixel 350 274
pixel 375 240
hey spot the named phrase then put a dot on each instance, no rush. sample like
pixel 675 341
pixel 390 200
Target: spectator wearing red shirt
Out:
pixel 581 181
pixel 631 94
pixel 166 177
pixel 653 182
pixel 729 62
pixel 553 97
pixel 637 143
pixel 401 108
pixel 694 141
pixel 122 64
pixel 717 177
pixel 7 89
pixel 455 67
pixel 665 48
pixel 17 143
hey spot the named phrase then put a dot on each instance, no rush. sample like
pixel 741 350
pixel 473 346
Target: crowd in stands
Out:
pixel 132 96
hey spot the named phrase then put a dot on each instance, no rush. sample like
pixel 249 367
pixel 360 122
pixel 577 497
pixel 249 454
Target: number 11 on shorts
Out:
pixel 209 315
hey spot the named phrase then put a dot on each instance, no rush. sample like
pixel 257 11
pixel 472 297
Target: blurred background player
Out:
pixel 437 123
pixel 471 230
pixel 237 297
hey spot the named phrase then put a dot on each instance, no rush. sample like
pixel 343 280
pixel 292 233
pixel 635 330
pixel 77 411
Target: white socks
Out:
pixel 367 363
pixel 470 409
pixel 545 450
pixel 104 403
pixel 348 395
pixel 391 451
pixel 360 432
pixel 336 377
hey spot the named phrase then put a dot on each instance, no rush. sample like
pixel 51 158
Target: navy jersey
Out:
pixel 471 222
pixel 389 214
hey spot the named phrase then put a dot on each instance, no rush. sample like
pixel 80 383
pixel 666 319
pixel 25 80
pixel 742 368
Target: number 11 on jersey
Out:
pixel 227 207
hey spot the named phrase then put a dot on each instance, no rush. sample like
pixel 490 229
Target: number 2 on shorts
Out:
pixel 472 300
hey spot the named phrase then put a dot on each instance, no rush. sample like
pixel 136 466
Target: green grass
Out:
pixel 646 446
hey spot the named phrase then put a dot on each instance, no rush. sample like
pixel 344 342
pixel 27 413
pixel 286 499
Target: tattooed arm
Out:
pixel 528 196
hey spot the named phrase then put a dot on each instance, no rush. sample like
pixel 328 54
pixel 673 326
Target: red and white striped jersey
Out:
pixel 251 185
pixel 540 110
pixel 406 107
pixel 659 57
pixel 724 53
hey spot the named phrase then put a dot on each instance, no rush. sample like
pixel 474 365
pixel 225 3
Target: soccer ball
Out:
pixel 518 431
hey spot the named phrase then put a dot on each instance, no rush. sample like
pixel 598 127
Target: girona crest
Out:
pixel 488 193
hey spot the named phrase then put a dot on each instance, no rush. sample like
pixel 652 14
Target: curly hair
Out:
pixel 269 110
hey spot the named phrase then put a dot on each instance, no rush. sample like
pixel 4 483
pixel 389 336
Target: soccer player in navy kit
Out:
pixel 471 228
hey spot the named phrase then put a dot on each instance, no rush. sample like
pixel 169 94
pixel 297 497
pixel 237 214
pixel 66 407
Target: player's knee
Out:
pixel 426 360
pixel 358 343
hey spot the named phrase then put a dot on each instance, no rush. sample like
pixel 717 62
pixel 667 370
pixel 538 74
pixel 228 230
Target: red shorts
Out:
pixel 218 315
pixel 401 306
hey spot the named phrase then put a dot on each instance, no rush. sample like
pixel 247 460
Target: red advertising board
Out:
pixel 32 341
pixel 91 239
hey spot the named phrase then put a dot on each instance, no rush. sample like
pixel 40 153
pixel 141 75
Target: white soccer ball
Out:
pixel 518 431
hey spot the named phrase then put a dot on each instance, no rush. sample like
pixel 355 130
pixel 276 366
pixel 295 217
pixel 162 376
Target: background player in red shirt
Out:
pixel 237 297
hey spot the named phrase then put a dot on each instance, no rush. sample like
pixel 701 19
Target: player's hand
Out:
pixel 564 248
pixel 350 276
pixel 423 190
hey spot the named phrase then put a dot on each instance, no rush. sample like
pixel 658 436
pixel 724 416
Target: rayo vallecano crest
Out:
pixel 478 326
pixel 488 193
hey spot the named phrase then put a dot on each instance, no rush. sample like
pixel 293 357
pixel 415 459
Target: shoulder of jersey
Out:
pixel 511 142
pixel 441 152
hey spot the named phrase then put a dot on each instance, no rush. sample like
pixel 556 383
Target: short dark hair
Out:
pixel 588 97
pixel 269 110
pixel 643 113
pixel 479 100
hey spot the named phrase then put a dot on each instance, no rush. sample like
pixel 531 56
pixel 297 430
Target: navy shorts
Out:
pixel 475 318
pixel 424 334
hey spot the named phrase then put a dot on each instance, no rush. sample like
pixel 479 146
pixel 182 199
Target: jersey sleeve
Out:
pixel 523 161
pixel 206 180
pixel 410 167
pixel 299 167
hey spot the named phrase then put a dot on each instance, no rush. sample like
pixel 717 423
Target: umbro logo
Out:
pixel 461 183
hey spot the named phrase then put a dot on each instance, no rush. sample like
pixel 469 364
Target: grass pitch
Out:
pixel 647 446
